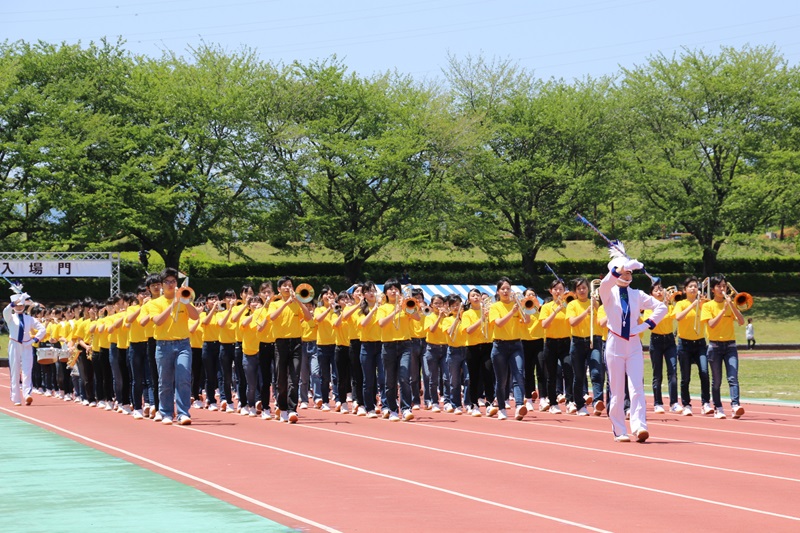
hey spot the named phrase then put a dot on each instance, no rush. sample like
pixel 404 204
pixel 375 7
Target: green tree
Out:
pixel 543 148
pixel 695 127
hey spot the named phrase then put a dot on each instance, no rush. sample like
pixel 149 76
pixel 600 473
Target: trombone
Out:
pixel 742 300
pixel 594 296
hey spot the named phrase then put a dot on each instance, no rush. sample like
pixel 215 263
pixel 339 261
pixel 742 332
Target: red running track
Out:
pixel 443 472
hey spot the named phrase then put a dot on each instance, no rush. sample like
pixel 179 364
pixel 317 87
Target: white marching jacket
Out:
pixel 637 301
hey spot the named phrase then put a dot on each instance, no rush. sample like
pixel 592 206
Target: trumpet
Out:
pixel 742 300
pixel 184 295
pixel 426 310
pixel 304 293
pixel 336 308
pixel 594 295
pixel 410 305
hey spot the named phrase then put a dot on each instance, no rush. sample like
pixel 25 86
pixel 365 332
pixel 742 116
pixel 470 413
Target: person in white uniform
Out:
pixel 624 348
pixel 20 351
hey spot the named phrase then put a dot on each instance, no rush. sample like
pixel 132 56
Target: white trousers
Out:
pixel 625 357
pixel 20 359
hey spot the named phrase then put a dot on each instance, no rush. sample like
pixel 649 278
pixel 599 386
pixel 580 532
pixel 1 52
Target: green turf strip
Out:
pixel 50 483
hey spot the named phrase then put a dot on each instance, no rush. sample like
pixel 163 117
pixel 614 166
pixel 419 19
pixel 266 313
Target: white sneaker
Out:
pixel 572 408
pixel 659 409
pixel 415 407
pixel 213 407
pixel 491 410
pixel 167 420
pixel 253 412
pixel 476 412
pixel 520 412
pixel 544 405
pixel 92 404
pixel 126 409
pixel 109 406
pixel 738 411
pixel 244 411
pixel 561 398
pixel 292 417
pixel 337 407
pixel 284 416
pixel 458 411
pixel 555 410
pixel 184 420
pixel 436 409
pixel 408 415
pixel 676 409
pixel 197 404
pixel 158 417
pixel 223 405
pixel 137 414
pixel 583 411
pixel 720 414
pixel 266 415
pixel 230 409
pixel 303 405
pixel 393 417
pixel 361 411
pixel 48 393
pixel 84 402
pixel 707 409
pixel 448 408
pixel 529 405
pixel 687 410
pixel 325 407
pixel 372 414
pixel 588 398
pixel 501 415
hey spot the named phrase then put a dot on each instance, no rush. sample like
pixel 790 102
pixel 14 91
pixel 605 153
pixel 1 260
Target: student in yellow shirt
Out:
pixel 266 354
pixel 322 363
pixel 663 351
pixel 173 349
pixel 479 353
pixel 556 348
pixel 436 353
pixel 350 314
pixel 196 342
pixel 719 316
pixel 395 325
pixel 597 364
pixel 82 339
pixel 533 354
pixel 417 349
pixel 309 350
pixel 154 287
pixel 578 315
pixel 287 315
pixel 508 319
pixel 209 321
pixel 138 351
pixel 692 349
pixel 456 336
pixel 342 354
pixel 370 355
pixel 248 332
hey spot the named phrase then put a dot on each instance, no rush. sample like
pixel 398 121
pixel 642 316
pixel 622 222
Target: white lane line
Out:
pixel 610 452
pixel 481 500
pixel 547 470
pixel 177 472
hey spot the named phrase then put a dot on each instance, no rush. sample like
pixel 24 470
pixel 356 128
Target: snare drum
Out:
pixel 63 354
pixel 46 356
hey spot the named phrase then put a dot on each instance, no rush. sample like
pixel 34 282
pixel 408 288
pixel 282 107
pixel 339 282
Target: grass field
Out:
pixel 648 250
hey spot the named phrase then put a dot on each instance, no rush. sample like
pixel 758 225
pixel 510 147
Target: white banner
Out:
pixel 55 269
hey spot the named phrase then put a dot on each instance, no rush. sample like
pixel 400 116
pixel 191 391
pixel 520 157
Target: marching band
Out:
pixel 162 351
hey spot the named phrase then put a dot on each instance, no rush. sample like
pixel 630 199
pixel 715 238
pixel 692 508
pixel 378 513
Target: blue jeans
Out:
pixel 417 349
pixel 250 369
pixel 580 353
pixel 507 358
pixel 321 371
pixel 719 352
pixel 227 352
pixel 174 361
pixel 119 372
pixel 435 358
pixel 211 363
pixel 597 368
pixel 693 353
pixel 396 357
pixel 308 350
pixel 663 349
pixel 369 357
pixel 456 357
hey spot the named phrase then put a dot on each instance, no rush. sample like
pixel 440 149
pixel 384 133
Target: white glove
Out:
pixel 638 328
pixel 617 262
pixel 633 264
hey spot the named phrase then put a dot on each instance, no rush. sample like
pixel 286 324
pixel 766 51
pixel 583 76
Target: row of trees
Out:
pixel 100 148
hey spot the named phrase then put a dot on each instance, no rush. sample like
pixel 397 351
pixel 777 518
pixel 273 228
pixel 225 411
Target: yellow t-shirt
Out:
pixel 309 330
pixel 265 335
pixel 123 334
pixel 249 335
pixel 103 338
pixel 598 329
pixel 559 328
pixel 533 330
pixel 574 309
pixel 439 334
pixel 724 330
pixel 667 324
pixel 352 322
pixel 137 331
pixel 94 334
pixel 469 317
pixel 288 325
pixel 342 332
pixel 171 329
pixel 237 330
pixel 399 328
pixel 418 326
pixel 196 338
pixel 150 327
pixel 325 332
pixel 371 332
pixel 227 331
pixel 686 326
pixel 459 340
pixel 210 330
pixel 511 330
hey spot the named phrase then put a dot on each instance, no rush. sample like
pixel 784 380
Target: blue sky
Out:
pixel 566 39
